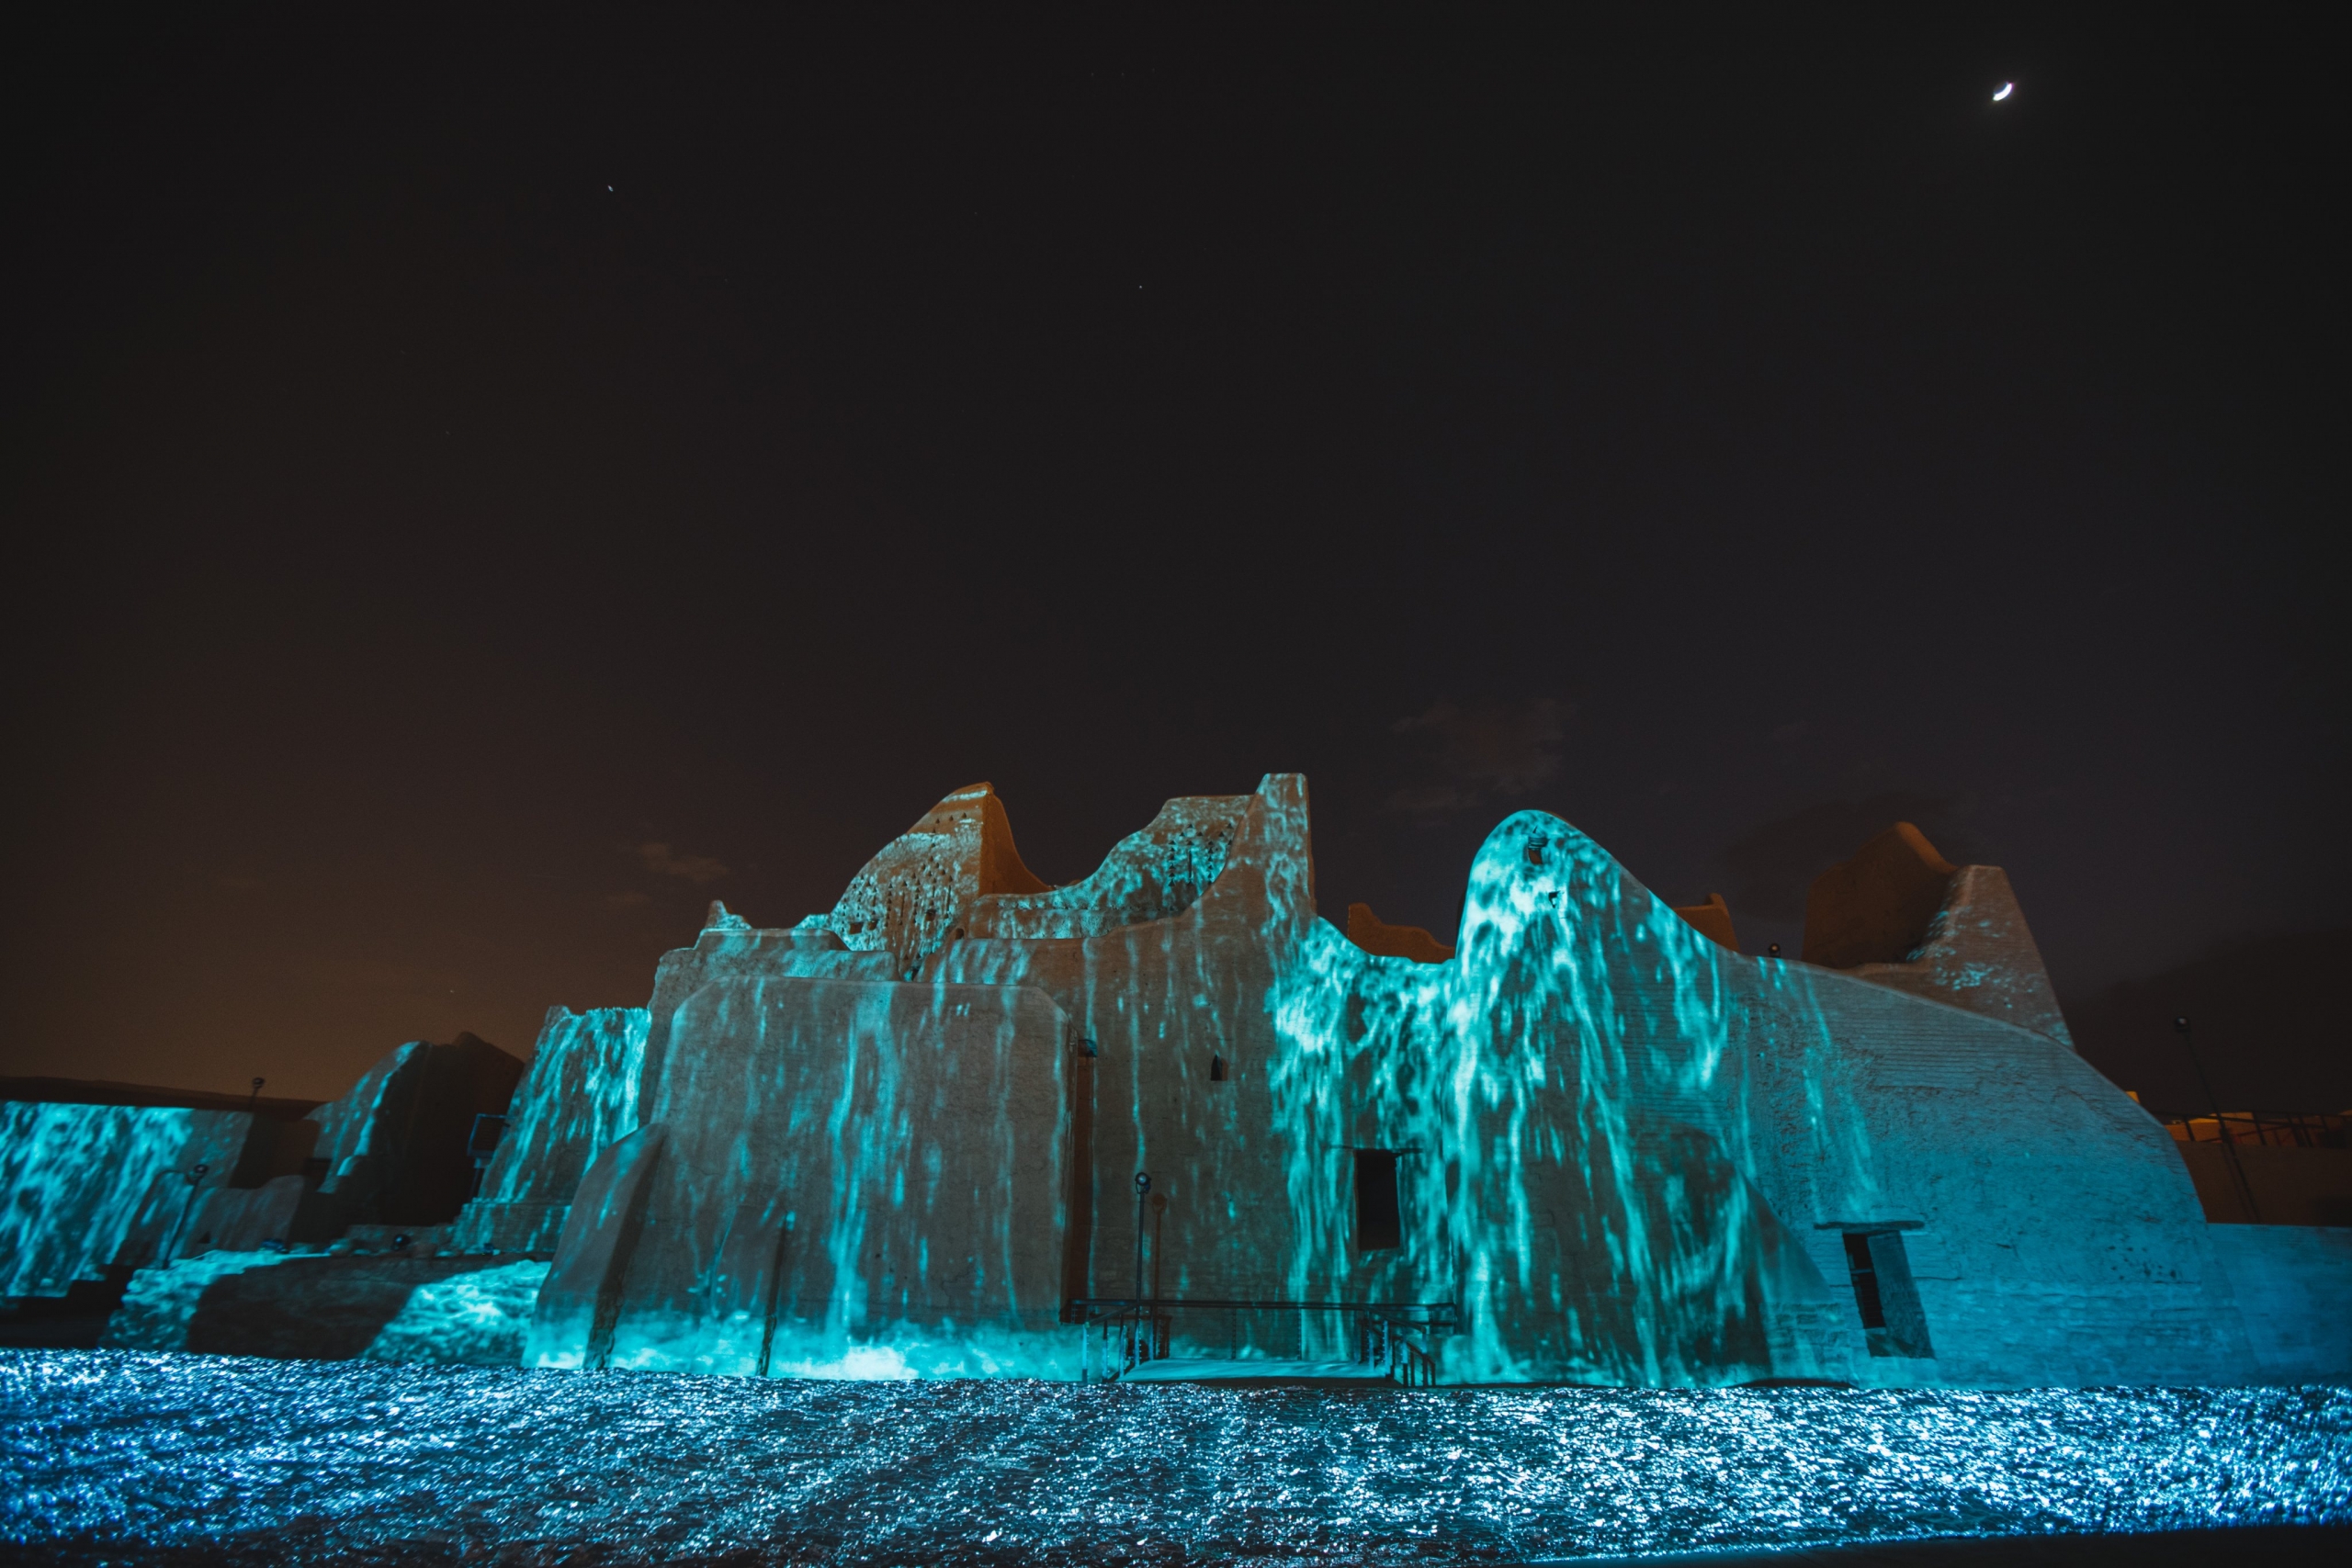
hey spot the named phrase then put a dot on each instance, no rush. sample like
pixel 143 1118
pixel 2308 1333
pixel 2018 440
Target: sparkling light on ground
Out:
pixel 132 1456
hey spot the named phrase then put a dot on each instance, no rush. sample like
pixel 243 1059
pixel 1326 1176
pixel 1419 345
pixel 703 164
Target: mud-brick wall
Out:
pixel 2050 1232
pixel 578 1099
pixel 840 1178
pixel 83 1187
pixel 2292 1283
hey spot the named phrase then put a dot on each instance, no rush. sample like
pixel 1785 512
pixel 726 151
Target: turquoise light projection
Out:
pixel 1567 1096
pixel 579 1098
pixel 148 1456
pixel 353 1138
pixel 1622 1154
pixel 89 1184
pixel 902 1140
pixel 851 1178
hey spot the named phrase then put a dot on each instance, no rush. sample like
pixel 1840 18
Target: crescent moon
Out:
pixel 2007 88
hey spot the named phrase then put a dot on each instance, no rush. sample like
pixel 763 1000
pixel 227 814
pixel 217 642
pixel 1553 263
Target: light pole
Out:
pixel 1142 1191
pixel 2189 1043
pixel 2220 1124
pixel 1138 1340
pixel 171 1243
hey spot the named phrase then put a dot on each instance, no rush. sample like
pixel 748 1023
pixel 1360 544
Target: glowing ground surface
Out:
pixel 127 1456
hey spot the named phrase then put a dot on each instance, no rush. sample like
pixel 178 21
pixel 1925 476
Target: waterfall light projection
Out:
pixel 91 1185
pixel 967 1124
pixel 1592 1144
pixel 1572 1145
pixel 578 1099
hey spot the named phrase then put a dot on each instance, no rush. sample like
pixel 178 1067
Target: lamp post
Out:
pixel 1142 1191
pixel 2221 1123
pixel 1138 1351
pixel 2189 1043
pixel 171 1243
pixel 1159 1227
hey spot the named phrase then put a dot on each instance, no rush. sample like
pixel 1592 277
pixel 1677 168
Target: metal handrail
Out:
pixel 1385 1338
pixel 2310 1131
pixel 1440 1312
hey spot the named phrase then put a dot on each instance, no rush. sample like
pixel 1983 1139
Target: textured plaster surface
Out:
pixel 86 1186
pixel 1978 954
pixel 1625 1153
pixel 579 1098
pixel 903 1140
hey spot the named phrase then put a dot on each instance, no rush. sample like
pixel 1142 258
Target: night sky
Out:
pixel 476 494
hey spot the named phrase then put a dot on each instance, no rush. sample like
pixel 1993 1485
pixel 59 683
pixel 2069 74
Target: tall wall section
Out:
pixel 578 1099
pixel 1593 1144
pixel 1588 1143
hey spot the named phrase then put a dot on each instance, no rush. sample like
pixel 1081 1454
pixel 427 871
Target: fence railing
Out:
pixel 1398 1336
pixel 2277 1129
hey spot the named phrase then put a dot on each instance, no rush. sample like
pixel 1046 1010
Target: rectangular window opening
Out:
pixel 1886 1296
pixel 1378 1223
pixel 1865 1273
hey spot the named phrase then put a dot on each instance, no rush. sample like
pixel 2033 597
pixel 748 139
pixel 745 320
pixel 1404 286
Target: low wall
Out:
pixel 2292 1283
pixel 405 1308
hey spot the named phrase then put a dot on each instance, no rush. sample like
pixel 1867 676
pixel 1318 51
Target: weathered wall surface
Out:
pixel 905 901
pixel 1591 1143
pixel 240 1219
pixel 729 948
pixel 1621 1151
pixel 1641 1153
pixel 1624 1152
pixel 87 1186
pixel 2291 1283
pixel 1566 1096
pixel 1902 915
pixel 842 1178
pixel 392 1151
pixel 1977 954
pixel 1876 908
pixel 407 1308
pixel 579 1099
pixel 2056 1238
pixel 1164 960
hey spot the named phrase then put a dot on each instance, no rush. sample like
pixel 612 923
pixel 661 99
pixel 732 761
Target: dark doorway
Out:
pixel 1893 1321
pixel 1378 1225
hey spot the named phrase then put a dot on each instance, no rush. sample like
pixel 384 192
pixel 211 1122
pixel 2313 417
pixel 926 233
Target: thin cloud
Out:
pixel 662 861
pixel 378 974
pixel 1490 749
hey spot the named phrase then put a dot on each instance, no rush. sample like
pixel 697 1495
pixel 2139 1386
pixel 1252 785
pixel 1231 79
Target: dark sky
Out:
pixel 476 494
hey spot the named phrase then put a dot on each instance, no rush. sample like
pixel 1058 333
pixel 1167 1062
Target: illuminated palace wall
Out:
pixel 1592 1144
pixel 109 1176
